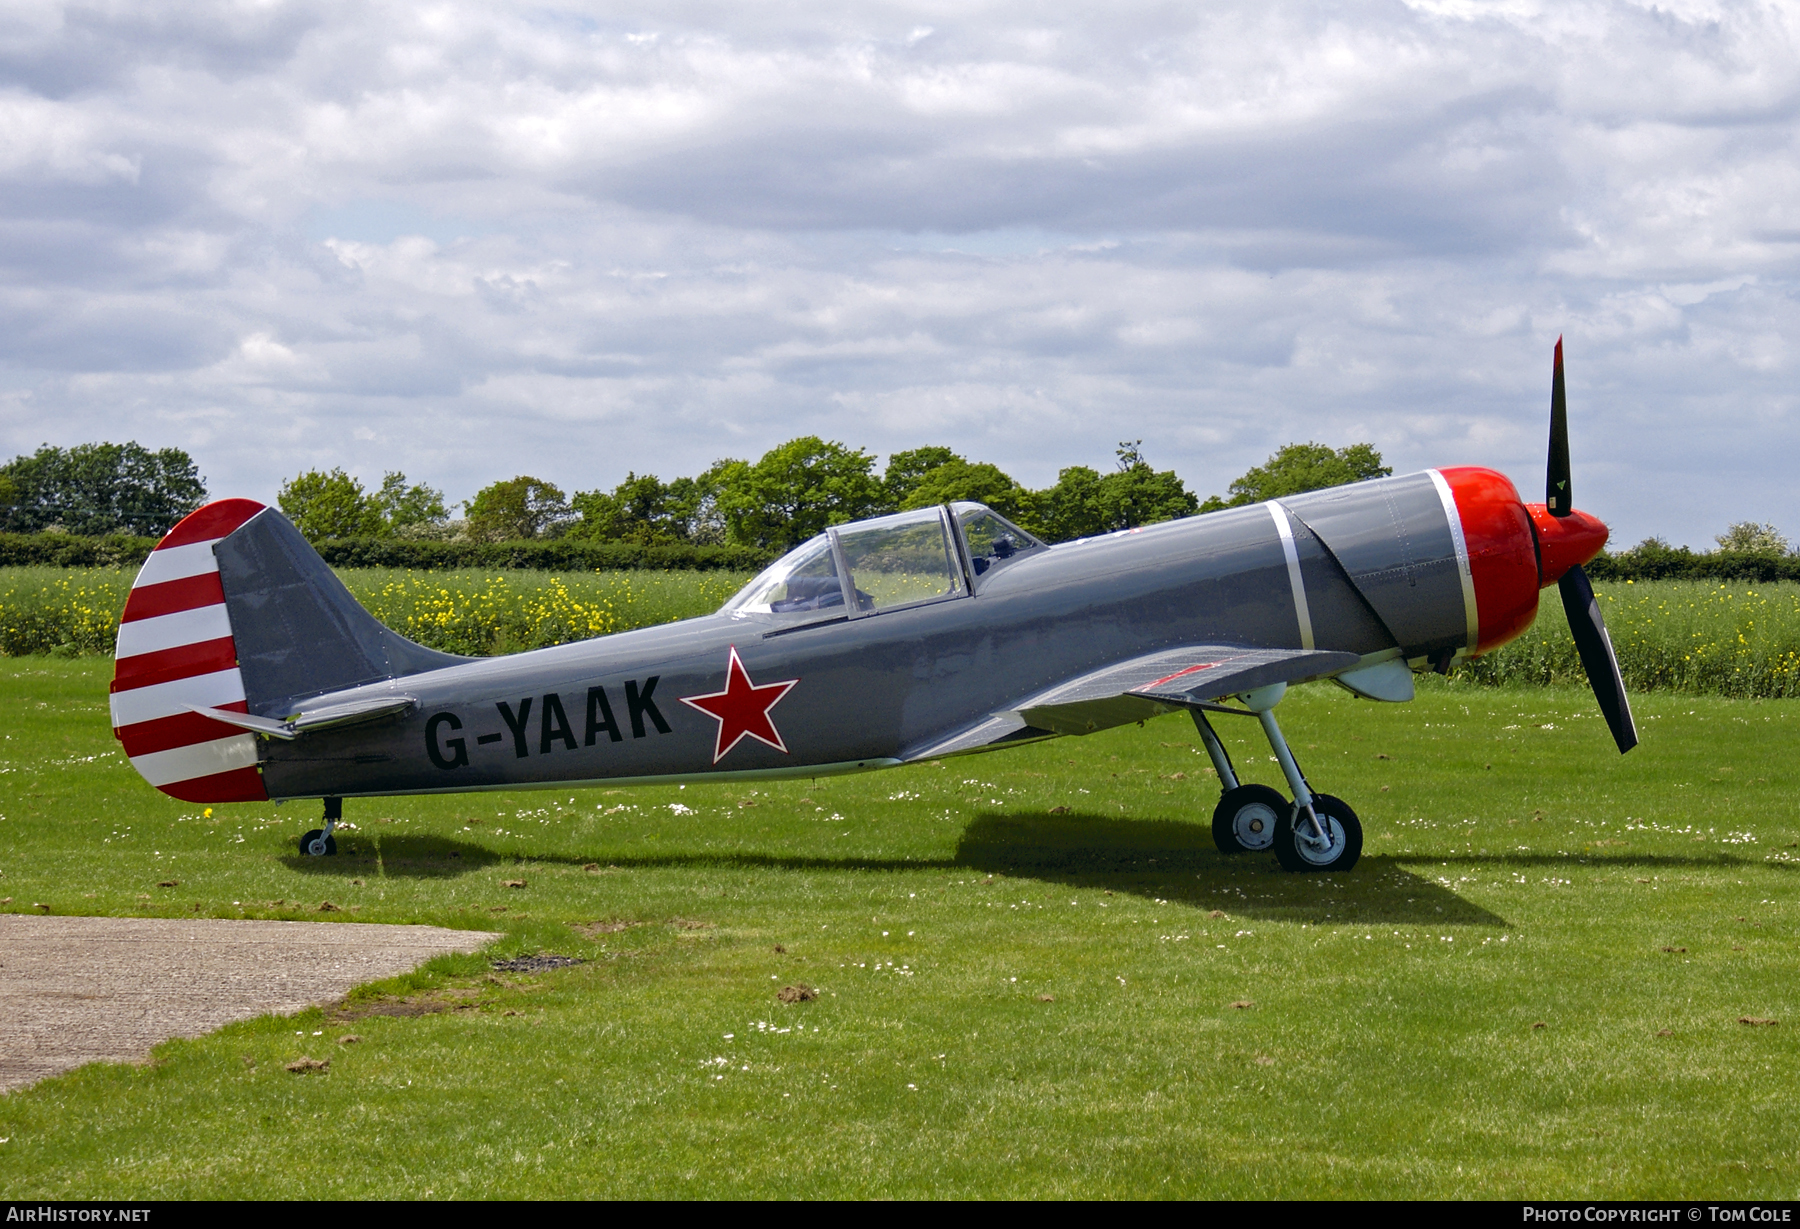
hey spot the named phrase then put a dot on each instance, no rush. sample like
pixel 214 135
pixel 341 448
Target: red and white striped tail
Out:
pixel 176 653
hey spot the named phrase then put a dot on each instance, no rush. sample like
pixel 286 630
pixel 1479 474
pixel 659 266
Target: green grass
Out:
pixel 1515 875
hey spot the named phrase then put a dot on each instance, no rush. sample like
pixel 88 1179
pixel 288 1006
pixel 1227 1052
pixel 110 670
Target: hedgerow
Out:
pixel 69 550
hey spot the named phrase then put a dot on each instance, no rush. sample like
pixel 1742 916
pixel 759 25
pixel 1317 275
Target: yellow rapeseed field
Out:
pixel 69 611
pixel 481 614
pixel 60 610
pixel 1731 639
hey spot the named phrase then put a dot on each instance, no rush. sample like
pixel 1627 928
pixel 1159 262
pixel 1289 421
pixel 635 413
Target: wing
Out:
pixel 1141 687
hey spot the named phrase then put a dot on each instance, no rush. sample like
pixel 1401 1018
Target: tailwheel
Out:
pixel 1299 848
pixel 1247 818
pixel 317 844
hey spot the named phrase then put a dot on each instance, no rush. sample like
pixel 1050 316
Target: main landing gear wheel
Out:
pixel 1246 819
pixel 1298 847
pixel 316 844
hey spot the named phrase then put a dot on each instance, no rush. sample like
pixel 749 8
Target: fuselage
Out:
pixel 1426 568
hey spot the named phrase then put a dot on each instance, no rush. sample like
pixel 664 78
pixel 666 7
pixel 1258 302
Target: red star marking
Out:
pixel 742 709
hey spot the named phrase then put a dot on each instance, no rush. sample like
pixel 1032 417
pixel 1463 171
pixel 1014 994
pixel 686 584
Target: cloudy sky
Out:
pixel 468 241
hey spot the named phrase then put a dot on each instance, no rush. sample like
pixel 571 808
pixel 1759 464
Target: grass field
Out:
pixel 1531 986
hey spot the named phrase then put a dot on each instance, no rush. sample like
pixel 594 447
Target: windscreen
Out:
pixel 898 560
pixel 803 579
pixel 993 540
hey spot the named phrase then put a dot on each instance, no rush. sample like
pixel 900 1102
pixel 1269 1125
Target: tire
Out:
pixel 1247 819
pixel 1298 851
pixel 307 841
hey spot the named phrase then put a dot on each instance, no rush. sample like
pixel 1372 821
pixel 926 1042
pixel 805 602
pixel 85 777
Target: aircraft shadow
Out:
pixel 1154 859
pixel 1178 863
pixel 399 857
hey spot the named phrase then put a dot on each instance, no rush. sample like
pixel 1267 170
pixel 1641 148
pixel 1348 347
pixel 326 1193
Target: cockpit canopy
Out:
pixel 890 561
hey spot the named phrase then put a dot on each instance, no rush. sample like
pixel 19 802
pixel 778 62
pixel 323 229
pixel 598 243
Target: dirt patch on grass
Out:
pixel 594 930
pixel 431 1003
pixel 537 964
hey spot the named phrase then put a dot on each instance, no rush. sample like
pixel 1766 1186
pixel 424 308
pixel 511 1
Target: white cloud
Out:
pixel 469 241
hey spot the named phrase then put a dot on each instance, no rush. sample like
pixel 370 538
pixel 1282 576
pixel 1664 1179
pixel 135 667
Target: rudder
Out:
pixel 175 653
pixel 234 610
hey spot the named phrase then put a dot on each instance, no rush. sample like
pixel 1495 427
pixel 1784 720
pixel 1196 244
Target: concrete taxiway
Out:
pixel 78 990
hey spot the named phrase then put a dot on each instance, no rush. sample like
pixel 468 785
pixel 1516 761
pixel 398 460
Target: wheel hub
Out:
pixel 1254 826
pixel 1316 851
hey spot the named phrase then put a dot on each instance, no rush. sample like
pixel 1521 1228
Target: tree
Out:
pixel 599 517
pixel 1135 494
pixel 97 489
pixel 638 510
pixel 1085 502
pixel 1760 539
pixel 906 470
pixel 330 505
pixel 1302 467
pixel 981 482
pixel 401 505
pixel 524 507
pixel 795 491
pixel 693 503
pixel 1071 508
pixel 647 510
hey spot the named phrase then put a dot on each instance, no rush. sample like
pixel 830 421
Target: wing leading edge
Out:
pixel 1139 688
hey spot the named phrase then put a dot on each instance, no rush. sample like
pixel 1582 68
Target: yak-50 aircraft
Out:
pixel 247 672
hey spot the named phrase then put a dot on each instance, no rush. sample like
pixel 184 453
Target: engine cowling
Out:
pixel 1515 550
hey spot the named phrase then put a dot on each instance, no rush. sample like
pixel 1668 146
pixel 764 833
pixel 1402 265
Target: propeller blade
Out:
pixel 1557 497
pixel 1597 657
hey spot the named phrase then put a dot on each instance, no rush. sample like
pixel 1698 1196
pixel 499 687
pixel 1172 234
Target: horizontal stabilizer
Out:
pixel 325 717
pixel 353 712
pixel 244 721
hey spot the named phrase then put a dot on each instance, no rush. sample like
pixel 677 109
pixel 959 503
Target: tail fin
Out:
pixel 235 611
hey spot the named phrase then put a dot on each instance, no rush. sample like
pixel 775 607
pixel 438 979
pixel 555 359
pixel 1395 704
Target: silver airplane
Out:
pixel 247 672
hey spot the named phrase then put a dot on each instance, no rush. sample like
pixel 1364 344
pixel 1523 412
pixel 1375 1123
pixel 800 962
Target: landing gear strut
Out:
pixel 319 842
pixel 1247 815
pixel 1316 832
